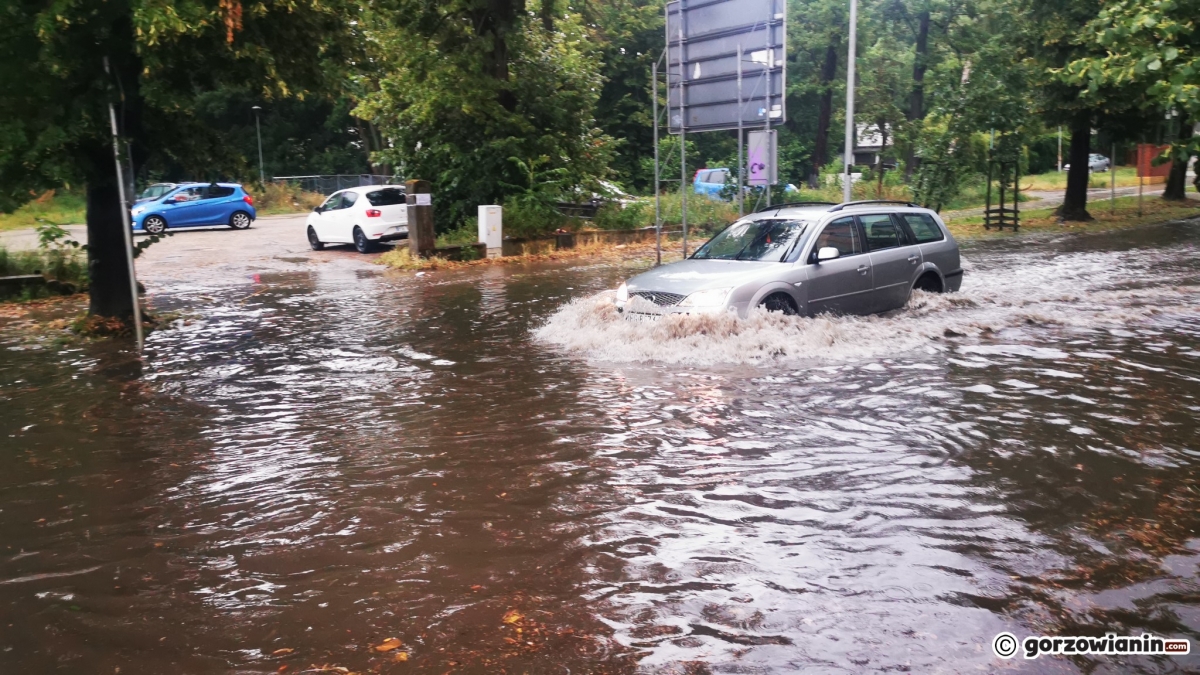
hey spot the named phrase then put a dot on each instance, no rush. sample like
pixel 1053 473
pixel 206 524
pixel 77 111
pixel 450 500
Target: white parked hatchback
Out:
pixel 363 216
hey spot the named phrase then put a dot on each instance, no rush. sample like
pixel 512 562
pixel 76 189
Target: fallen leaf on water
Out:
pixel 388 645
pixel 512 616
pixel 476 587
pixel 401 656
pixel 281 652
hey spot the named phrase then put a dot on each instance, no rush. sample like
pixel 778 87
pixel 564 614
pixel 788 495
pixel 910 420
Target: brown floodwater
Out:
pixel 490 468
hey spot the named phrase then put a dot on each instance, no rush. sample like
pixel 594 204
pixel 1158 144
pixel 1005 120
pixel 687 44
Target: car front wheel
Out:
pixel 780 303
pixel 154 225
pixel 314 241
pixel 361 242
pixel 240 220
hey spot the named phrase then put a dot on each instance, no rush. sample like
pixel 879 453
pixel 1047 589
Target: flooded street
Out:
pixel 491 467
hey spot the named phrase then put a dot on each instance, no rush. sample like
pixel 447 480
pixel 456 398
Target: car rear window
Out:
pixel 391 197
pixel 718 177
pixel 923 228
pixel 882 232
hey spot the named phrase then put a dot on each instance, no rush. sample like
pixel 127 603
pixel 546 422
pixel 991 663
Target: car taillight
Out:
pixel 374 213
pixel 249 200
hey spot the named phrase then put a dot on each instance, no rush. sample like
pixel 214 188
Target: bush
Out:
pixel 531 218
pixel 63 265
pixel 467 233
pixel 274 198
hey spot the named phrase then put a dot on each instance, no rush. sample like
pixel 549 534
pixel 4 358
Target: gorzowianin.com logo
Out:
pixel 1006 646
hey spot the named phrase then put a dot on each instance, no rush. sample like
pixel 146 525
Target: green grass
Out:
pixel 1054 180
pixel 54 207
pixel 1154 210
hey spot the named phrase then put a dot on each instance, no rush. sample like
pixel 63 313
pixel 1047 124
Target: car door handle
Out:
pixel 913 259
pixel 863 270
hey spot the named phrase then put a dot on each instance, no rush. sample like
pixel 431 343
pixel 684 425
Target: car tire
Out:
pixel 780 302
pixel 314 241
pixel 154 225
pixel 930 283
pixel 240 220
pixel 361 243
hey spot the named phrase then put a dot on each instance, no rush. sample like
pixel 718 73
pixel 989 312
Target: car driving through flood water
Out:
pixel 807 259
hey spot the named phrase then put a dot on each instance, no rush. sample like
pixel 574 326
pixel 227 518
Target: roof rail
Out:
pixel 776 207
pixel 842 206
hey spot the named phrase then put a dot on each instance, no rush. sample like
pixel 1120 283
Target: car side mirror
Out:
pixel 318 210
pixel 828 253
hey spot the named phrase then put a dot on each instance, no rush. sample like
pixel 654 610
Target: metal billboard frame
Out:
pixel 710 42
pixel 705 40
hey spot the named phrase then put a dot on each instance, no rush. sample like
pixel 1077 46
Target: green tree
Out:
pixel 1150 48
pixel 471 89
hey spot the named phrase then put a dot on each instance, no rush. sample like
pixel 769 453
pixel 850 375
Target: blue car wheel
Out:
pixel 240 220
pixel 154 225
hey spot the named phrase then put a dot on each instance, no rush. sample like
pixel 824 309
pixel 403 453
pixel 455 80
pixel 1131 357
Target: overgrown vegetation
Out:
pixel 280 198
pixel 55 207
pixel 64 267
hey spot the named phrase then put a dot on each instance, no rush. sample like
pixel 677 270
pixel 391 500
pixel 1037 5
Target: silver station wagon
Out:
pixel 807 259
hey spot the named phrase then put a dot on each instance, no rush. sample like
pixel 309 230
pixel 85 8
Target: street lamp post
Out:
pixel 850 64
pixel 262 174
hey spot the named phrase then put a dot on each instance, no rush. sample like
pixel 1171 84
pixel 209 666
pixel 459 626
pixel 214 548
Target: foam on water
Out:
pixel 1089 290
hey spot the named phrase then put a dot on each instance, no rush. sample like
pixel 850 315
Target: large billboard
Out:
pixel 704 38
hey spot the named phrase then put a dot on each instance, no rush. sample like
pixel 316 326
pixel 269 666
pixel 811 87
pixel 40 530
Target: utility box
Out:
pixel 491 229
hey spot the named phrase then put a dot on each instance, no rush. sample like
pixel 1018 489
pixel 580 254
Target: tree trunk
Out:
pixel 824 114
pixel 916 104
pixel 108 255
pixel 1074 207
pixel 1176 190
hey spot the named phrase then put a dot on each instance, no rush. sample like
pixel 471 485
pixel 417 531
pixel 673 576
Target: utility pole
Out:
pixel 657 193
pixel 133 288
pixel 683 181
pixel 850 75
pixel 262 174
pixel 741 160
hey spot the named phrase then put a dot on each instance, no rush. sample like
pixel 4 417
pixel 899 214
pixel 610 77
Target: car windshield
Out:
pixel 762 240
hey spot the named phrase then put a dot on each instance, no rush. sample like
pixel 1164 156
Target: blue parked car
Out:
pixel 195 205
pixel 710 182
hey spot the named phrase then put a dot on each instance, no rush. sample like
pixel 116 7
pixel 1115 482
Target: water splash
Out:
pixel 1089 290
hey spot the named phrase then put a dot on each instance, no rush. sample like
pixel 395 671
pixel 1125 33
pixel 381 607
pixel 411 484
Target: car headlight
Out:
pixel 623 294
pixel 138 210
pixel 713 297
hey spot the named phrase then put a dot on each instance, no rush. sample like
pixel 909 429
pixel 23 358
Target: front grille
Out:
pixel 660 299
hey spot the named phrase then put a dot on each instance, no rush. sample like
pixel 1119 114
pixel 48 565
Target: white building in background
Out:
pixel 870 144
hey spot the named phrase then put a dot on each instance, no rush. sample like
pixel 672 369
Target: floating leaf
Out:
pixel 512 616
pixel 387 645
pixel 281 652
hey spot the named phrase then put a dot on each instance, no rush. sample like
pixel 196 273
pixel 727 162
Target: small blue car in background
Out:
pixel 195 205
pixel 710 182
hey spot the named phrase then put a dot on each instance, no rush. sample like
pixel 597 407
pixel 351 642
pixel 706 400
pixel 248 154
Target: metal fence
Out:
pixel 327 184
